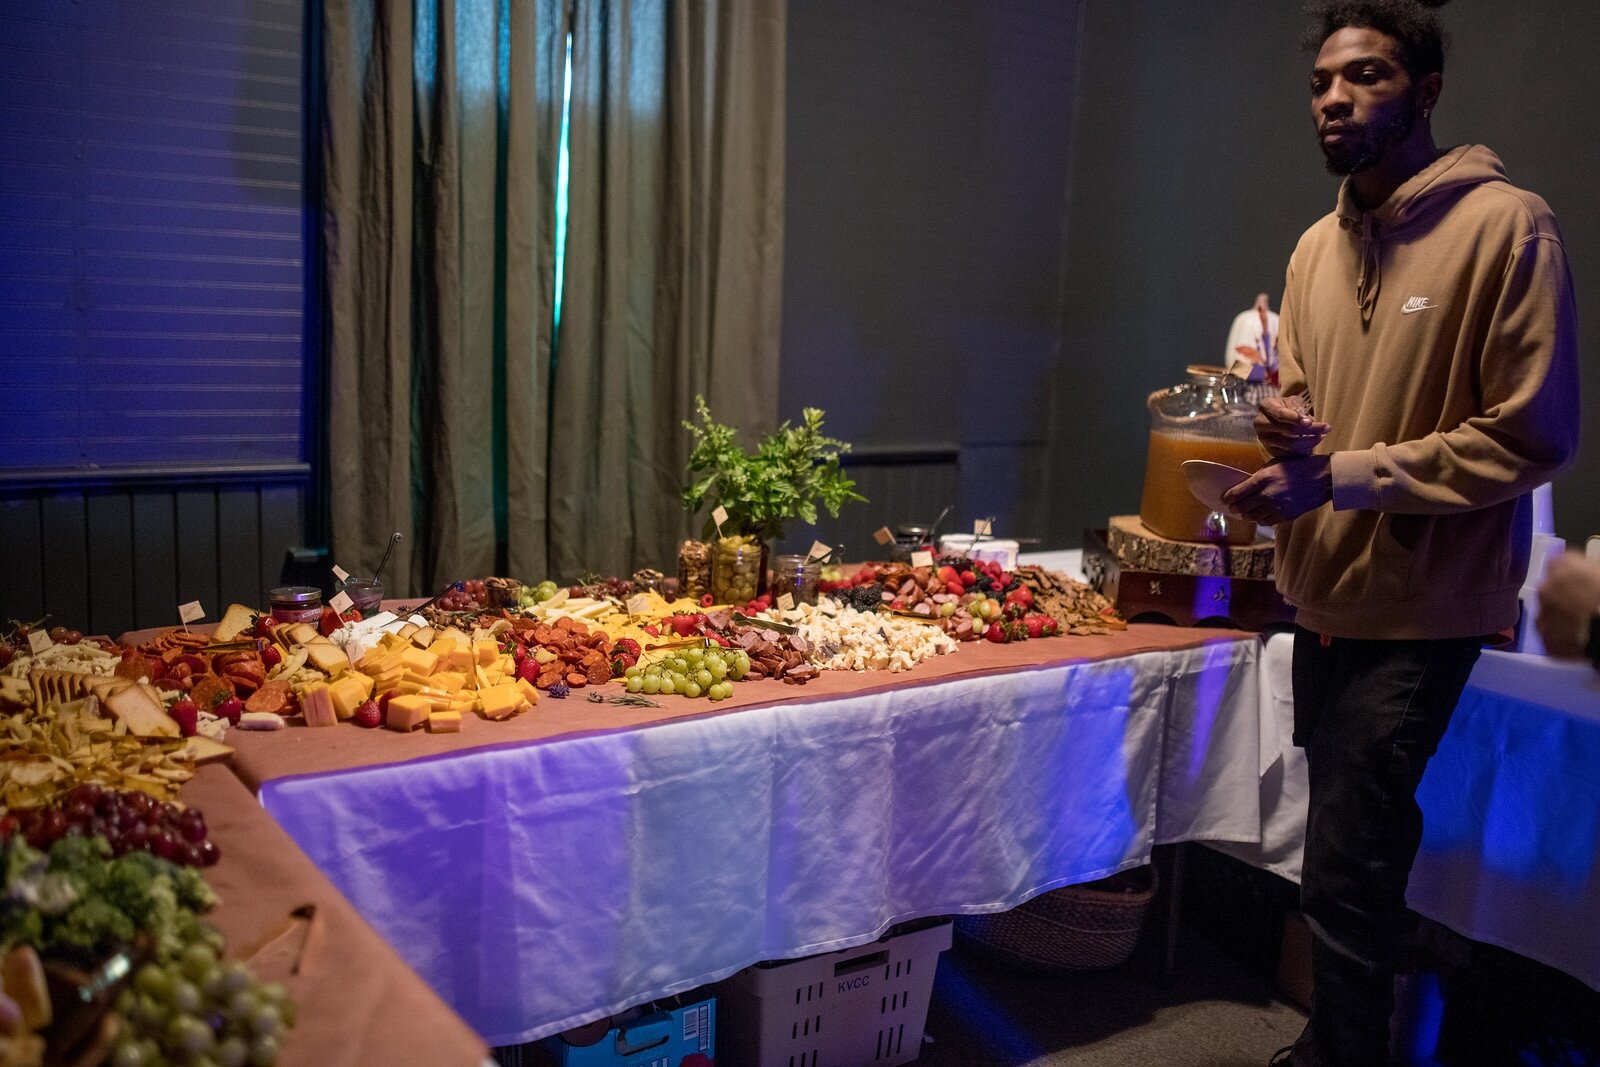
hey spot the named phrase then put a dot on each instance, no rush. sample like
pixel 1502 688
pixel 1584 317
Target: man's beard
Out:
pixel 1369 142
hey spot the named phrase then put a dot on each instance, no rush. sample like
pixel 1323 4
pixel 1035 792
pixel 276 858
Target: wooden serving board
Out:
pixel 1183 599
pixel 1139 547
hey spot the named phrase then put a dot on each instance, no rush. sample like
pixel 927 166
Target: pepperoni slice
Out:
pixel 210 690
pixel 273 697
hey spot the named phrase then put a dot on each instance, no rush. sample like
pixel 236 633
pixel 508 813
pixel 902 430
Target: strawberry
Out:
pixel 229 708
pixel 995 633
pixel 271 656
pixel 368 716
pixel 329 622
pixel 1035 625
pixel 528 670
pixel 627 646
pixel 186 715
pixel 1051 626
pixel 264 626
pixel 947 574
pixel 968 577
pixel 954 587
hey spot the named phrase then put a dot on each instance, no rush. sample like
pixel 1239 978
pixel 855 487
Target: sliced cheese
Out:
pixel 327 657
pixel 316 702
pixel 407 712
pixel 501 701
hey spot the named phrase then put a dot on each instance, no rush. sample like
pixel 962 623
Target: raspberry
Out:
pixel 186 715
pixel 559 690
pixel 528 669
pixel 706 601
pixel 229 708
pixel 368 715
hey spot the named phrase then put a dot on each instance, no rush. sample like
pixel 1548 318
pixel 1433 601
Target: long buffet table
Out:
pixel 552 870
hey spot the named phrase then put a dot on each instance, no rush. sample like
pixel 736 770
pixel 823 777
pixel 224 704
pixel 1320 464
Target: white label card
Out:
pixel 884 536
pixel 922 559
pixel 638 605
pixel 340 573
pixel 340 602
pixel 191 612
pixel 983 528
pixel 786 602
pixel 38 641
pixel 719 515
pixel 818 550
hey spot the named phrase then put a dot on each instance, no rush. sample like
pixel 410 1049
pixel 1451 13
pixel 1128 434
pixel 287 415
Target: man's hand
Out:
pixel 1282 490
pixel 1285 426
pixel 1568 601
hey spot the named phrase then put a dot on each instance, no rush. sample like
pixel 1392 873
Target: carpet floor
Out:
pixel 1213 1015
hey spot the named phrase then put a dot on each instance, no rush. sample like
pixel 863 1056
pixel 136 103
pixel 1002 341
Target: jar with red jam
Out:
pixel 296 603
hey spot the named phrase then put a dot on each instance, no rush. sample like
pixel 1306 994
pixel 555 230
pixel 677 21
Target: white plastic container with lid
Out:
pixel 999 549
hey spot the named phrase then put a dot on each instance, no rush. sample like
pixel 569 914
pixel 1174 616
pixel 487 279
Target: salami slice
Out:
pixel 272 696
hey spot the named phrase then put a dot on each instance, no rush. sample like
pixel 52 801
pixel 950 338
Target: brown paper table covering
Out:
pixel 262 757
pixel 359 1004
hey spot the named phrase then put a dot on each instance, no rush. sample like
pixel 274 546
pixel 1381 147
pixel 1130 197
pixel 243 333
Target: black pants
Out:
pixel 1369 715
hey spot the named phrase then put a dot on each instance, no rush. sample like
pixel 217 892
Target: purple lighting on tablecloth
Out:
pixel 1210 690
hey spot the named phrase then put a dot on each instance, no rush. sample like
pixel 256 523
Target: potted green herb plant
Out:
pixel 793 471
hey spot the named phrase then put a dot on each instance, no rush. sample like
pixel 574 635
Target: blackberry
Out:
pixel 559 690
pixel 864 597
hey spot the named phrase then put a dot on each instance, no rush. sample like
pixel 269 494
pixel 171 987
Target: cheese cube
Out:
pixel 443 646
pixel 448 680
pixel 486 651
pixel 460 659
pixel 348 692
pixel 423 637
pixel 501 701
pixel 456 634
pixel 407 712
pixel 527 689
pixel 316 702
pixel 444 722
pixel 419 661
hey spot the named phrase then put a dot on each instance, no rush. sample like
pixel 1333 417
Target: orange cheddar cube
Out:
pixel 408 712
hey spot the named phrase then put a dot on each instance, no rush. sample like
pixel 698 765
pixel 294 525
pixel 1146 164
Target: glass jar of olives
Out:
pixel 738 569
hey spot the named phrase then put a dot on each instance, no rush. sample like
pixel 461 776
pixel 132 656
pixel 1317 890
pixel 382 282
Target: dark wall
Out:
pixel 1194 172
pixel 927 163
pixel 1007 223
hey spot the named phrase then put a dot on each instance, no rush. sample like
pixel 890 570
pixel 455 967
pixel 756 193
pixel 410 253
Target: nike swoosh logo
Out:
pixel 1413 311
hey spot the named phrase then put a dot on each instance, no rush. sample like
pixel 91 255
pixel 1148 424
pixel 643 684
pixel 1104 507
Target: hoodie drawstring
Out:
pixel 1371 278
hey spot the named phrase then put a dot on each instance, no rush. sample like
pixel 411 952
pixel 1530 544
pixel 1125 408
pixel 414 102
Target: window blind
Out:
pixel 152 248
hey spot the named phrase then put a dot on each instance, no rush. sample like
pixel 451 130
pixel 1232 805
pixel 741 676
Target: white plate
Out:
pixel 1208 481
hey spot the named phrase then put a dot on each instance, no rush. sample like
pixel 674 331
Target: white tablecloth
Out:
pixel 539 887
pixel 1511 807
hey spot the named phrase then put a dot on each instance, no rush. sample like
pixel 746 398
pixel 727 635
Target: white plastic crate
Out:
pixel 861 1007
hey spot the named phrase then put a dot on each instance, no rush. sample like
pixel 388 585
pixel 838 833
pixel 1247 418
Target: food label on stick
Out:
pixel 884 536
pixel 786 602
pixel 638 605
pixel 719 515
pixel 340 602
pixel 191 612
pixel 38 641
pixel 818 550
pixel 922 559
pixel 982 527
pixel 340 573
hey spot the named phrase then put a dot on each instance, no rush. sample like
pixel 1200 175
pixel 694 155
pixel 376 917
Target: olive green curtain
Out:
pixel 457 414
pixel 673 263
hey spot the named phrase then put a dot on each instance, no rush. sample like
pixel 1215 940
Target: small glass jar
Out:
pixel 796 575
pixel 296 603
pixel 738 569
pixel 694 569
pixel 366 595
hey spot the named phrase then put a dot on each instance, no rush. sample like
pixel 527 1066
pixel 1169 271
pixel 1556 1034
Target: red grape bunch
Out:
pixel 130 821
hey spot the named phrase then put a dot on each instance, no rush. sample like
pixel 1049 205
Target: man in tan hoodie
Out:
pixel 1429 370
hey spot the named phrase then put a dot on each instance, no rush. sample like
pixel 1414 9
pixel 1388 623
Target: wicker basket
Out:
pixel 1075 928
